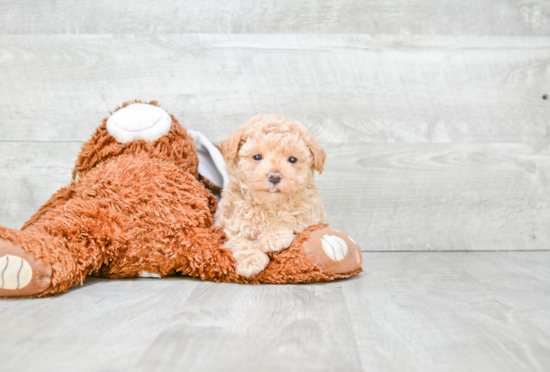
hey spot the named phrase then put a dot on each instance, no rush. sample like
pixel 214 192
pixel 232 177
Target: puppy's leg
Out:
pixel 276 240
pixel 249 259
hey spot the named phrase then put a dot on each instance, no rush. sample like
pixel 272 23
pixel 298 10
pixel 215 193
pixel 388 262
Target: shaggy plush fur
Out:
pixel 135 207
pixel 271 195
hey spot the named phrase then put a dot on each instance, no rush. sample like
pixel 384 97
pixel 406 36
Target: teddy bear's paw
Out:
pixel 276 240
pixel 21 274
pixel 139 121
pixel 250 262
pixel 334 251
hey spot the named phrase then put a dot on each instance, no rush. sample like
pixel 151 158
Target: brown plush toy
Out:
pixel 137 205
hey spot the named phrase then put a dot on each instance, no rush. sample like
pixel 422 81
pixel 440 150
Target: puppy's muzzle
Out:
pixel 274 177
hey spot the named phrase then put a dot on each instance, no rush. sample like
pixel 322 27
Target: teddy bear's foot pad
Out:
pixel 336 252
pixel 20 273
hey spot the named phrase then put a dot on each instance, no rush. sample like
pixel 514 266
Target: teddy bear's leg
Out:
pixel 67 239
pixel 33 264
pixel 317 254
pixel 308 259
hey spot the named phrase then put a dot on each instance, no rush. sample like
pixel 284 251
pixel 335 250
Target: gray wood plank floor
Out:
pixel 409 311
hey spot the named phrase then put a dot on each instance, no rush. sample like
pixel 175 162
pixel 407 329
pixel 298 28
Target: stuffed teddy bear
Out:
pixel 138 206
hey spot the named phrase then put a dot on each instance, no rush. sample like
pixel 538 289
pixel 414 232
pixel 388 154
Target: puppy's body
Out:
pixel 271 195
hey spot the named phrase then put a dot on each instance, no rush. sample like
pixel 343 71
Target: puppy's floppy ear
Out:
pixel 230 146
pixel 319 155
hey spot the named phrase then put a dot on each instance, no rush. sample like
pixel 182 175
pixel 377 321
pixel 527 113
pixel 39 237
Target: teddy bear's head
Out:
pixel 145 128
pixel 139 128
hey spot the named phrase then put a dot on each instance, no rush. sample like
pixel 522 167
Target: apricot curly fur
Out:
pixel 260 216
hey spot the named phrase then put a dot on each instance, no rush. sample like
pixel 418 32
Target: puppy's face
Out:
pixel 274 158
pixel 274 166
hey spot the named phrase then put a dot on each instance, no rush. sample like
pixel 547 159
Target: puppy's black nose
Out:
pixel 274 177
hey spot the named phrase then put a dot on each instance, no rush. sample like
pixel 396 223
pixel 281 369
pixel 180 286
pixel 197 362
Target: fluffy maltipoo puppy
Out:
pixel 271 194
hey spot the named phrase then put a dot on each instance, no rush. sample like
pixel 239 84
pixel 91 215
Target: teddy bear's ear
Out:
pixel 230 146
pixel 319 155
pixel 211 162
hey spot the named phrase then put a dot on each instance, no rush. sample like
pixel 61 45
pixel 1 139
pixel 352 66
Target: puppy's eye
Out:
pixel 292 160
pixel 257 157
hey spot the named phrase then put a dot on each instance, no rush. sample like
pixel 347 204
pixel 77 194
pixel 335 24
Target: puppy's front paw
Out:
pixel 250 262
pixel 276 240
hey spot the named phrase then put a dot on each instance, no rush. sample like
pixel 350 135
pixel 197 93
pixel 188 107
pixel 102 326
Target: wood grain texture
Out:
pixel 344 88
pixel 439 196
pixel 465 17
pixel 30 172
pixel 257 328
pixel 388 197
pixel 105 326
pixel 452 311
pixel 414 311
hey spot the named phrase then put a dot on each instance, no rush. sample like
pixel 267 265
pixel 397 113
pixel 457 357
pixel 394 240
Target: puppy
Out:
pixel 271 194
